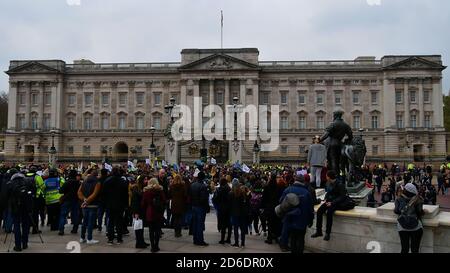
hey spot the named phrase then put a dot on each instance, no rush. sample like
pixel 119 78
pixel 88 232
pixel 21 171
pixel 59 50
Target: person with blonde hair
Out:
pixel 153 204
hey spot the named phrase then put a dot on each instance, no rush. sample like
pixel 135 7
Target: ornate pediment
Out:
pixel 413 63
pixel 33 68
pixel 219 62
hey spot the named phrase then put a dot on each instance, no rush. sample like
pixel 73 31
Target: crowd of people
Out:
pixel 275 203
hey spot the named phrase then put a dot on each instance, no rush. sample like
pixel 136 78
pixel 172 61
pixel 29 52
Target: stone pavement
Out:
pixel 53 243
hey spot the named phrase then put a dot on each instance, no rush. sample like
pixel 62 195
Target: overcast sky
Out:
pixel 157 30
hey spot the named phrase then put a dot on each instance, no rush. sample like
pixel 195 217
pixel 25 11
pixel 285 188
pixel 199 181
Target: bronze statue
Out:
pixel 335 134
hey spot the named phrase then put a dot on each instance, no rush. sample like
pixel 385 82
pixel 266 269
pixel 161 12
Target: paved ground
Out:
pixel 54 243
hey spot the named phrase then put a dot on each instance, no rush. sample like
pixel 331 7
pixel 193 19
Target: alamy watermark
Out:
pixel 261 121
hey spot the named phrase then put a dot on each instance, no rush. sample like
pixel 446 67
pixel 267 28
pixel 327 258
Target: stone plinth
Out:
pixel 356 230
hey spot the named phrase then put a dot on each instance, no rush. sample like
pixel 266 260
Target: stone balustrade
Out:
pixel 354 230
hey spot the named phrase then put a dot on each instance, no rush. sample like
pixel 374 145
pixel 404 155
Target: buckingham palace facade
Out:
pixel 97 110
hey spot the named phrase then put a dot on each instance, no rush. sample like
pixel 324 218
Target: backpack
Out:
pixel 157 204
pixel 408 218
pixel 22 195
pixel 255 200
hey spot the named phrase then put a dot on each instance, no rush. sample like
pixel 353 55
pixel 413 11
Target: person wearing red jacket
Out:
pixel 153 204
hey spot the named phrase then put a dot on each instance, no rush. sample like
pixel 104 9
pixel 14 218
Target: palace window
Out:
pixel 319 98
pixel 122 99
pixel 355 96
pixel 34 121
pixel 86 150
pixel 398 96
pixel 87 121
pixel 374 97
pixel 399 120
pixel 413 120
pixel 375 122
pixel 71 122
pixel 427 121
pixel 284 149
pixel 71 99
pixel 70 150
pixel 22 98
pixel 374 150
pixel 139 121
pixel 356 121
pixel 219 98
pixel 338 97
pixel 157 122
pixel 426 96
pixel 302 122
pixel 122 121
pixel 21 121
pixel 284 97
pixel 301 97
pixel 140 98
pixel 34 99
pixel 105 99
pixel 47 121
pixel 157 98
pixel 88 99
pixel 320 122
pixel 105 121
pixel 412 96
pixel 284 122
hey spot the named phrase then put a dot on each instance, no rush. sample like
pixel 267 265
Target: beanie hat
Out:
pixel 411 188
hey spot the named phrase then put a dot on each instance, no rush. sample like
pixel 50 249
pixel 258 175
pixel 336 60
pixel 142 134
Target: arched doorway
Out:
pixel 120 152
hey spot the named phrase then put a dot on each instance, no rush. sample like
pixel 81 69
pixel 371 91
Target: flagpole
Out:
pixel 221 29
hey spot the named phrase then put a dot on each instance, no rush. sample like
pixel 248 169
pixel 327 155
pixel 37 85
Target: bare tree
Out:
pixel 3 110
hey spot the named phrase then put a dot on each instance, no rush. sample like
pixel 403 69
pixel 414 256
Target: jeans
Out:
pixel 21 222
pixel 188 217
pixel 198 224
pixel 284 238
pixel 54 211
pixel 410 238
pixel 297 241
pixel 115 221
pixel 38 210
pixel 8 221
pixel 102 212
pixel 89 216
pixel 329 211
pixel 239 222
pixel 73 208
pixel 316 173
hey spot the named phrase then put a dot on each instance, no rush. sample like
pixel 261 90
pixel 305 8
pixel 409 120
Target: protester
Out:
pixel 115 197
pixel 409 207
pixel 101 203
pixel 223 203
pixel 336 193
pixel 178 196
pixel 153 203
pixel 200 206
pixel 70 202
pixel 239 212
pixel 88 193
pixel 20 192
pixel 299 217
pixel 39 200
pixel 317 154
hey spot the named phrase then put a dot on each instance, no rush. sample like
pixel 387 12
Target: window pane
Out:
pixel 356 97
pixel 71 99
pixel 412 96
pixel 47 98
pixel 157 99
pixel 301 98
pixel 34 99
pixel 122 98
pixel 88 99
pixel 157 122
pixel 398 96
pixel 140 98
pixel 140 122
pixel 356 122
pixel 105 99
pixel 219 99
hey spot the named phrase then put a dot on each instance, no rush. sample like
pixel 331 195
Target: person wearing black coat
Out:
pixel 240 209
pixel 269 202
pixel 115 197
pixel 200 206
pixel 222 201
pixel 69 202
pixel 336 194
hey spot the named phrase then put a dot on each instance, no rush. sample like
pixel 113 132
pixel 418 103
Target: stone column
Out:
pixel 227 93
pixel 387 97
pixel 242 91
pixel 183 92
pixel 421 117
pixel 438 114
pixel 406 103
pixel 12 105
pixel 41 104
pixel 211 92
pixel 27 90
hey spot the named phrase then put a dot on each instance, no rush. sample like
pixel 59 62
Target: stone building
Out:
pixel 105 110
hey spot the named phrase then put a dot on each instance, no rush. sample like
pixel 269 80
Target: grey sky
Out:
pixel 157 30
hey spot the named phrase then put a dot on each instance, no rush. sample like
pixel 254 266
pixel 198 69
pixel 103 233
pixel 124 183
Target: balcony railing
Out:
pixel 121 66
pixel 321 63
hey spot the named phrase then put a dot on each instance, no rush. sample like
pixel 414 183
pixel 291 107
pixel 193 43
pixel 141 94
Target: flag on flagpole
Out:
pixel 221 18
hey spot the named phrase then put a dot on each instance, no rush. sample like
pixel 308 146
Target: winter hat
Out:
pixel 411 188
pixel 235 182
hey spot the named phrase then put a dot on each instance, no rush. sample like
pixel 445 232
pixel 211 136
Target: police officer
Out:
pixel 20 202
pixel 39 201
pixel 52 185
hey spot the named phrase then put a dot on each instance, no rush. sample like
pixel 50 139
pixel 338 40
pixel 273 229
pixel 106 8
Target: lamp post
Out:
pixel 256 149
pixel 152 148
pixel 52 151
pixel 104 154
pixel 171 148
